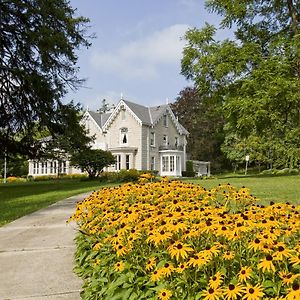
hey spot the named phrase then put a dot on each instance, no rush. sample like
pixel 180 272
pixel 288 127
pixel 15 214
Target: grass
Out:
pixel 266 188
pixel 19 199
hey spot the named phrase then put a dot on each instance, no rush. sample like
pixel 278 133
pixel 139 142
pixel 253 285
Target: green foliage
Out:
pixel 204 122
pixel 131 175
pixel 189 170
pixel 254 80
pixel 38 65
pixel 92 161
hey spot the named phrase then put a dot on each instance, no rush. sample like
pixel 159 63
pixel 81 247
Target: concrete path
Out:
pixel 36 255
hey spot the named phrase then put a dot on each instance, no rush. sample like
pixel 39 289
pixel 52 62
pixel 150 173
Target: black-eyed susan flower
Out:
pixel 245 274
pixel 211 293
pixel 293 292
pixel 179 250
pixel 287 277
pixel 228 255
pixel 164 294
pixel 253 292
pixel 181 267
pixel 119 266
pixel 266 264
pixel 167 269
pixel 233 291
pixel 150 263
pixel 216 280
pixel 156 275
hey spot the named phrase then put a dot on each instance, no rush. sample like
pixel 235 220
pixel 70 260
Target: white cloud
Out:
pixel 142 58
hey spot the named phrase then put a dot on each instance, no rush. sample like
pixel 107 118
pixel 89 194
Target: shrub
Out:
pixel 188 174
pixel 294 171
pixel 174 240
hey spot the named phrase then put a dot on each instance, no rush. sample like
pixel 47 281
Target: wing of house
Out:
pixel 140 137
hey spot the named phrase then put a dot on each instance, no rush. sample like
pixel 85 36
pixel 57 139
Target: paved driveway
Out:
pixel 36 255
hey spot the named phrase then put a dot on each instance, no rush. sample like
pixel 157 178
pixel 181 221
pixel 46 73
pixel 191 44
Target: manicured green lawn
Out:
pixel 19 199
pixel 273 188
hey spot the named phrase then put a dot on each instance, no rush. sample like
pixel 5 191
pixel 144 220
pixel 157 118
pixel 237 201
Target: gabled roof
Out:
pixel 144 115
pixel 142 112
pixel 100 119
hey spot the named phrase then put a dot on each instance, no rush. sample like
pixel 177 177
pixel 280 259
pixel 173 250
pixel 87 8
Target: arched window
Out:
pixel 124 136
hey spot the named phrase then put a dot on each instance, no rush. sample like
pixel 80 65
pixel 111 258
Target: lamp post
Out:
pixel 247 160
pixel 5 166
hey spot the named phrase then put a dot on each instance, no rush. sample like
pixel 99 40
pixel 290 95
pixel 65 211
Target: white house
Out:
pixel 140 137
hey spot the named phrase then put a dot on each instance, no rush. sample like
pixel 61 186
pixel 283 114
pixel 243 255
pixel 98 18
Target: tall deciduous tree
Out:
pixel 204 123
pixel 254 78
pixel 38 40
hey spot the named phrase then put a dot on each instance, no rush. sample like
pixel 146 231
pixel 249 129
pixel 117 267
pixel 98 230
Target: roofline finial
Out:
pixel 121 96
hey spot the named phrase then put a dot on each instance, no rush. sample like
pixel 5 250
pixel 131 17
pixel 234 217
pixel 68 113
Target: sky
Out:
pixel 137 50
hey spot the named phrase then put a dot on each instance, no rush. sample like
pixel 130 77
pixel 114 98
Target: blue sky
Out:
pixel 137 49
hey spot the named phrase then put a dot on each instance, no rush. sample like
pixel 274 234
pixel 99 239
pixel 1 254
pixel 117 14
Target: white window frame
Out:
pixel 123 134
pixel 127 161
pixel 118 162
pixel 152 139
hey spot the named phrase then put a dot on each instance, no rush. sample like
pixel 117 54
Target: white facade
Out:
pixel 139 137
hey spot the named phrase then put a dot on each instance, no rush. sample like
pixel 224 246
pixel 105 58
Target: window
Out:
pixel 43 168
pixel 118 162
pixel 165 140
pixel 124 136
pixel 55 167
pixel 152 139
pixel 35 168
pixel 152 163
pixel 165 163
pixel 51 167
pixel 127 162
pixel 165 120
pixel 64 167
pixel 172 163
pixel 176 141
pixel 46 168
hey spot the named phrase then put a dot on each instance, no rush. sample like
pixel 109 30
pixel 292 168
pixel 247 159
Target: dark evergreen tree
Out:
pixel 38 40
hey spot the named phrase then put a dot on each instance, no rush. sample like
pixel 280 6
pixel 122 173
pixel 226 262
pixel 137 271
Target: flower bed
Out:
pixel 174 240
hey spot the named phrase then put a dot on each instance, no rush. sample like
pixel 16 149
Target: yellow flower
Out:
pixel 216 280
pixel 181 267
pixel 293 292
pixel 266 264
pixel 232 292
pixel 156 275
pixel 167 269
pixel 253 292
pixel 119 266
pixel 179 250
pixel 164 294
pixel 244 274
pixel 212 293
pixel 295 259
pixel 151 263
pixel 228 255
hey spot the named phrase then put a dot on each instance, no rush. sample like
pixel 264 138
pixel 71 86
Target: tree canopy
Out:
pixel 205 124
pixel 92 161
pixel 38 43
pixel 254 78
